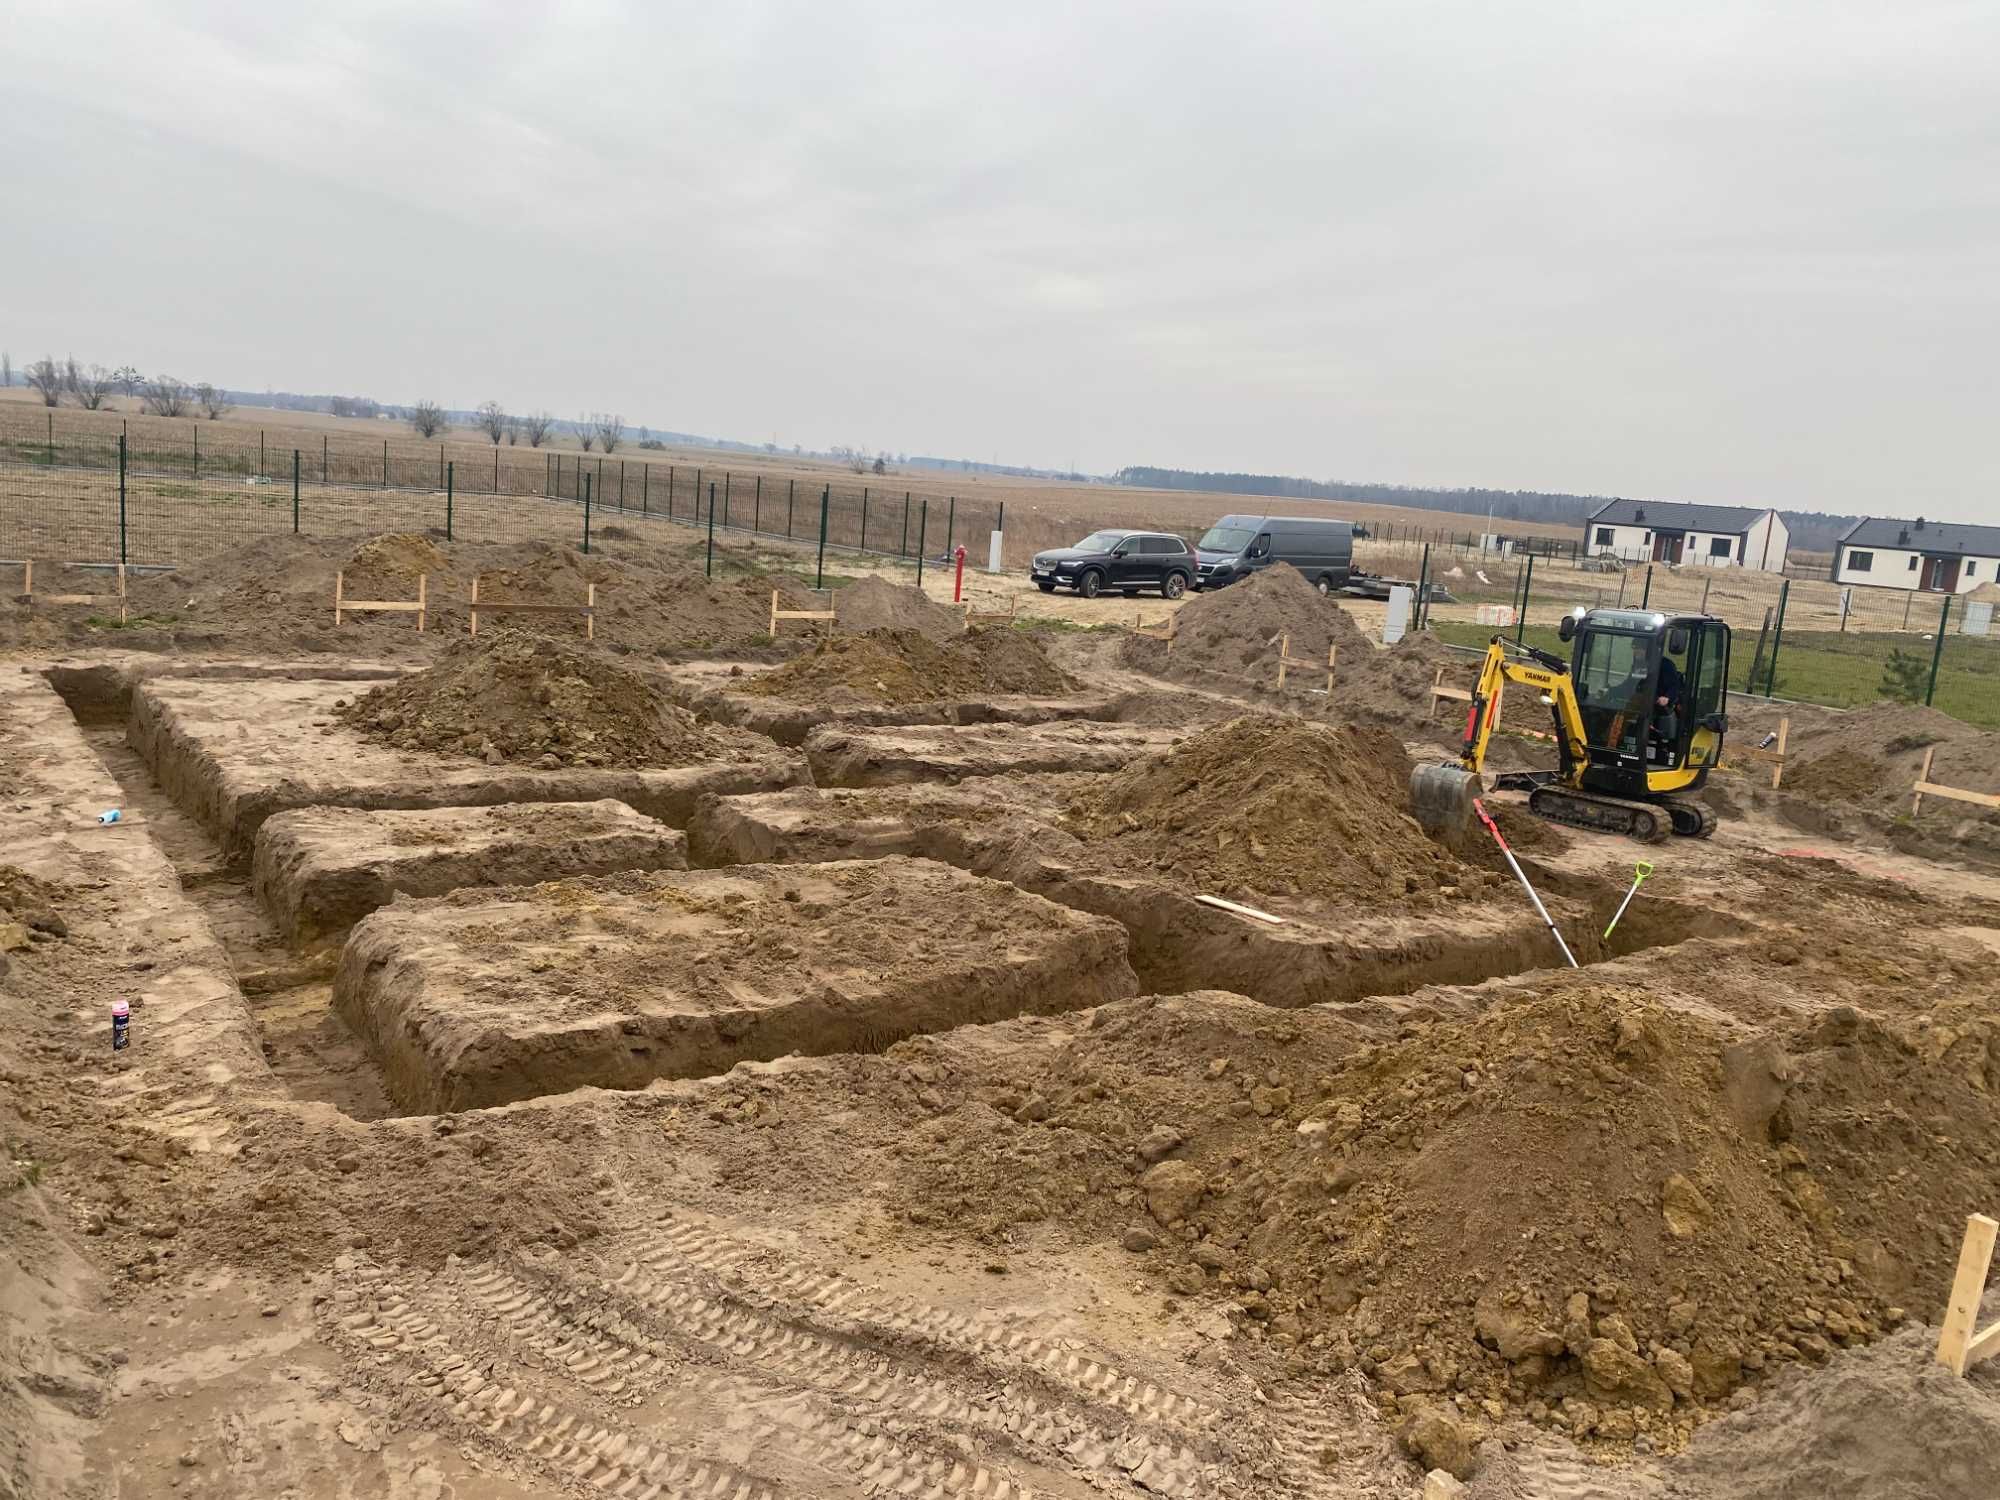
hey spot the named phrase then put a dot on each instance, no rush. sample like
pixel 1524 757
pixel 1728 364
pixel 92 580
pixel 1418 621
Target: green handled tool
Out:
pixel 1640 872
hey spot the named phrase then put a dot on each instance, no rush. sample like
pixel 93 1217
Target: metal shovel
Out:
pixel 1640 872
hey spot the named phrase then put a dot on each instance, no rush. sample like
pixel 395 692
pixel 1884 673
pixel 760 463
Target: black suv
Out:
pixel 1124 560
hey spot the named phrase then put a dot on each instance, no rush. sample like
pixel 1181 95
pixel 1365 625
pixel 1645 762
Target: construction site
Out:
pixel 587 1024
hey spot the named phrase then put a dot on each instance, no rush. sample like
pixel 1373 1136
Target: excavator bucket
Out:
pixel 1441 797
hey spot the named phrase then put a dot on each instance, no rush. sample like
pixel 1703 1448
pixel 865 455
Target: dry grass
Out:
pixel 353 451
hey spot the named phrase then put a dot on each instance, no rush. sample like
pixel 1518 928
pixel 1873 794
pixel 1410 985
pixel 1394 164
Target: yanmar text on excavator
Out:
pixel 1639 714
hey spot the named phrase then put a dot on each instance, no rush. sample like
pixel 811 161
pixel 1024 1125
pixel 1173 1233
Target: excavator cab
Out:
pixel 1650 695
pixel 1639 712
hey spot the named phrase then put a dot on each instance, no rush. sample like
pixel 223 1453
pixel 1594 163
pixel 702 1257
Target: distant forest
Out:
pixel 1812 531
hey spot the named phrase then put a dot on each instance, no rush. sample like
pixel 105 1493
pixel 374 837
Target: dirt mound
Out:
pixel 876 604
pixel 1870 757
pixel 1274 806
pixel 1241 627
pixel 513 696
pixel 1586 1208
pixel 396 554
pixel 907 666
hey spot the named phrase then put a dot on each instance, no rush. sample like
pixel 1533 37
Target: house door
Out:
pixel 1667 549
pixel 1940 575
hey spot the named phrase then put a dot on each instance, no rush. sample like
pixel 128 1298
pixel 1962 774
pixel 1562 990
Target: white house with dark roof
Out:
pixel 1933 557
pixel 1671 531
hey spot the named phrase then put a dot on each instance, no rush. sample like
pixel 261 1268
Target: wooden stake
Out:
pixel 590 594
pixel 1957 1347
pixel 1284 656
pixel 1923 776
pixel 423 598
pixel 339 587
pixel 475 604
pixel 1784 734
pixel 1332 655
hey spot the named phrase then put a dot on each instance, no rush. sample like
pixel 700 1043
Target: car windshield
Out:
pixel 1100 541
pixel 1225 538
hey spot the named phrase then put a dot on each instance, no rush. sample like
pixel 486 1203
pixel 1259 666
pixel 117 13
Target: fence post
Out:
pixel 295 492
pixel 923 525
pixel 825 503
pixel 791 487
pixel 1777 638
pixel 121 503
pixel 52 438
pixel 708 568
pixel 757 507
pixel 1908 600
pixel 496 475
pixel 1937 653
pixel 600 472
pixel 1527 587
pixel 1623 574
pixel 903 547
pixel 549 474
pixel 194 427
pixel 1707 582
pixel 1646 593
pixel 864 518
pixel 950 522
pixel 697 493
pixel 727 485
pixel 1423 576
pixel 645 489
pixel 385 463
pixel 263 465
pixel 586 514
pixel 451 484
pixel 323 479
pixel 441 464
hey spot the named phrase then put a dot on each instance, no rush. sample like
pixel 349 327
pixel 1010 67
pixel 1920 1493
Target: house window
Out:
pixel 1913 565
pixel 1861 562
pixel 1604 536
pixel 1718 546
pixel 1971 568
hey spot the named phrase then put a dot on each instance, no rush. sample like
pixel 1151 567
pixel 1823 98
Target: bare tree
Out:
pixel 610 430
pixel 92 387
pixel 535 427
pixel 46 376
pixel 166 396
pixel 855 458
pixel 586 432
pixel 6 371
pixel 491 420
pixel 881 464
pixel 214 403
pixel 428 418
pixel 129 380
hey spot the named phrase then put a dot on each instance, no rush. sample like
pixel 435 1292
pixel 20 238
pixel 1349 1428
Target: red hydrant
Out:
pixel 958 582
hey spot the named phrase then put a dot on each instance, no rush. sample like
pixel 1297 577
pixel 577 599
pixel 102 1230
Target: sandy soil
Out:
pixel 933 1139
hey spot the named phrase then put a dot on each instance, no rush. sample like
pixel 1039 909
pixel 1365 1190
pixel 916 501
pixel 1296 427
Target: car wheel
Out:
pixel 1047 588
pixel 1090 584
pixel 1325 584
pixel 1174 586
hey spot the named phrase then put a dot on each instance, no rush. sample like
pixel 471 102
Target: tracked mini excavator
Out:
pixel 1625 760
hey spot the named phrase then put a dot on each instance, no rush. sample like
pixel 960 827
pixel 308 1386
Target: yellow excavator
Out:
pixel 1639 710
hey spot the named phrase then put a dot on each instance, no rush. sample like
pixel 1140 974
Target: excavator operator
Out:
pixel 1667 706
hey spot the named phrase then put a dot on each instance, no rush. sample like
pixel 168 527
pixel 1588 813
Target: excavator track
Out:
pixel 1648 822
pixel 1635 820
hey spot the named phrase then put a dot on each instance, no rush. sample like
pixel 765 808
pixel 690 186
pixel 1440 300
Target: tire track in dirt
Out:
pixel 591 1369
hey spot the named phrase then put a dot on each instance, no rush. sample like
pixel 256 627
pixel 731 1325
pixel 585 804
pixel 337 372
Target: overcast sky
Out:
pixel 1717 250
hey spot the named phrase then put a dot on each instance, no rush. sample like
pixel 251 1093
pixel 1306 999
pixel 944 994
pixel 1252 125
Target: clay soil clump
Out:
pixel 908 666
pixel 521 698
pixel 1242 626
pixel 1274 805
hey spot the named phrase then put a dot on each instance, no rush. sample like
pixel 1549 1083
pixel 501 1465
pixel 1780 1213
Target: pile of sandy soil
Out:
pixel 1580 1207
pixel 514 696
pixel 873 603
pixel 1273 805
pixel 909 666
pixel 1238 630
pixel 1869 757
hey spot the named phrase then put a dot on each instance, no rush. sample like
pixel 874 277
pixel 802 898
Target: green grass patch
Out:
pixel 1841 670
pixel 170 491
pixel 130 622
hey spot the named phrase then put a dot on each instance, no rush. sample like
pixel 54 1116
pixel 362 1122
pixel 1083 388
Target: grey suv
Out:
pixel 1127 561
